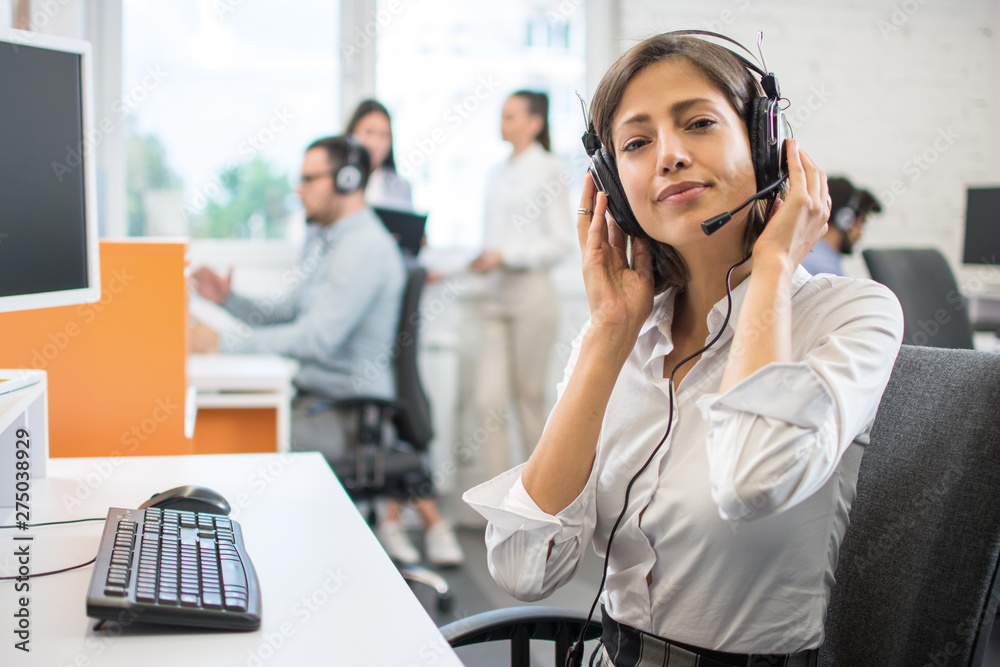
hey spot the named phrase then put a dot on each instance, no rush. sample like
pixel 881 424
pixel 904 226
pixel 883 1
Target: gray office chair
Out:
pixel 386 466
pixel 934 311
pixel 917 577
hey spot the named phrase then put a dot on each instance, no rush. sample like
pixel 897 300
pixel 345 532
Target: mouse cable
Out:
pixel 53 523
pixel 575 655
pixel 22 577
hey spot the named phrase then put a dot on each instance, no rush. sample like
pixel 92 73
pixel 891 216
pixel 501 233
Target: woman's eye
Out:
pixel 634 144
pixel 702 123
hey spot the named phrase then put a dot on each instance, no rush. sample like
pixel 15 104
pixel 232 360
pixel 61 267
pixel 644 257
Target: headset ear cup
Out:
pixel 347 179
pixel 607 173
pixel 764 170
pixel 844 218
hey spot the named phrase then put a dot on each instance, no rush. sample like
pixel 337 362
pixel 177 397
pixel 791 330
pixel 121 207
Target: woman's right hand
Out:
pixel 620 297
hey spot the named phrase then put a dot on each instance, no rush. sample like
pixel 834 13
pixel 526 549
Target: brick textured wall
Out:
pixel 902 97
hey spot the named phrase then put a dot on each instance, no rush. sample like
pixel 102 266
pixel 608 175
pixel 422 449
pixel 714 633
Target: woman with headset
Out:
pixel 713 414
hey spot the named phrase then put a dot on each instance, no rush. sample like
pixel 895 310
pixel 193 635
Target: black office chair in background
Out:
pixel 934 311
pixel 382 466
pixel 917 576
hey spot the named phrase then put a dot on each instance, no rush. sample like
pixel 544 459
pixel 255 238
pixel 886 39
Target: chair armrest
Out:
pixel 550 623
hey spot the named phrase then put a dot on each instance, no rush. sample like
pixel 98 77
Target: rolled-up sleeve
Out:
pixel 778 435
pixel 520 535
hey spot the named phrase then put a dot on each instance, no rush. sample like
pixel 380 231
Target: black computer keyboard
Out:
pixel 174 567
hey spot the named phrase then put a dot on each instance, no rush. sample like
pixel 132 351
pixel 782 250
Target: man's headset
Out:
pixel 845 216
pixel 766 124
pixel 347 178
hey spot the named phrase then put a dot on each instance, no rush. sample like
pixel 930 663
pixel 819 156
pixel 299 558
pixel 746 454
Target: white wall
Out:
pixel 900 94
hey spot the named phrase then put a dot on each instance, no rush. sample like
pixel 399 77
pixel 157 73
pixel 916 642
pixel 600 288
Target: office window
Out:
pixel 219 100
pixel 444 69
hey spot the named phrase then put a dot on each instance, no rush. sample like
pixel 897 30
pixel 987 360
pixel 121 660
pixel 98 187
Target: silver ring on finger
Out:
pixel 584 211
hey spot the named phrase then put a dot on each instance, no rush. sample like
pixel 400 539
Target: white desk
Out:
pixel 330 594
pixel 246 381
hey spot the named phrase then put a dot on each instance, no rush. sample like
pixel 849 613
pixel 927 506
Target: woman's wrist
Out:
pixel 607 345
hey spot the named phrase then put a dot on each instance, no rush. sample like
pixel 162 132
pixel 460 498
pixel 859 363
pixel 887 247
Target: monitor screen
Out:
pixel 48 234
pixel 982 226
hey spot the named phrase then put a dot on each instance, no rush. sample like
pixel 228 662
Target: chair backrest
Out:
pixel 916 581
pixel 934 310
pixel 413 421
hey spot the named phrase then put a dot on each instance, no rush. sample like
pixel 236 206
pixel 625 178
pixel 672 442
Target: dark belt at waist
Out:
pixel 628 647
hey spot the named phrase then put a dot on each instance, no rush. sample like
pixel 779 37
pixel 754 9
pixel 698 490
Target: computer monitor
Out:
pixel 982 226
pixel 405 226
pixel 48 193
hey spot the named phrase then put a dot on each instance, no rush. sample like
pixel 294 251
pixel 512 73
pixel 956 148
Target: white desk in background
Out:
pixel 330 594
pixel 246 381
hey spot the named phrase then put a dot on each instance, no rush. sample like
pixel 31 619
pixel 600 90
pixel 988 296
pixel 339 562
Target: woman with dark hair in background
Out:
pixel 527 232
pixel 371 126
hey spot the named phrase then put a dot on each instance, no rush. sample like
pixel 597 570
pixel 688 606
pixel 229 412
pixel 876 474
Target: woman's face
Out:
pixel 375 134
pixel 682 151
pixel 517 125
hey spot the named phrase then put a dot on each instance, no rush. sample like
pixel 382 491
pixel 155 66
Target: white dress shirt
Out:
pixel 738 520
pixel 527 210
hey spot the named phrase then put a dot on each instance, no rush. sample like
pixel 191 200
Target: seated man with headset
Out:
pixel 851 206
pixel 338 315
pixel 335 311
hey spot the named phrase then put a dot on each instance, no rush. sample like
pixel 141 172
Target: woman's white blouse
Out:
pixel 738 520
pixel 527 215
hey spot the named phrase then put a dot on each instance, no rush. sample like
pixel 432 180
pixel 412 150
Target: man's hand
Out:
pixel 211 285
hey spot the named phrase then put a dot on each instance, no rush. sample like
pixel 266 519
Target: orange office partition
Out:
pixel 116 368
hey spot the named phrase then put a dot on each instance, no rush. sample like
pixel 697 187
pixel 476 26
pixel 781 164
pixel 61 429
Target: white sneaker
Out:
pixel 442 546
pixel 397 543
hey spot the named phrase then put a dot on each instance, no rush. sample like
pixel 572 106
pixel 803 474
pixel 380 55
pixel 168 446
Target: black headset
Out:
pixel 766 125
pixel 348 177
pixel 845 216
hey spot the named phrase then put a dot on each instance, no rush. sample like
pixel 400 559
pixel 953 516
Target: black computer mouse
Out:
pixel 191 499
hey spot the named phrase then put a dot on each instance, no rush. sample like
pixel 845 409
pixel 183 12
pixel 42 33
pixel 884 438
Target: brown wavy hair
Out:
pixel 726 72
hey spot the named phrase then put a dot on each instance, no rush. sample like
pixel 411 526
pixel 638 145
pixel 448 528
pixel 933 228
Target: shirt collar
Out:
pixel 662 315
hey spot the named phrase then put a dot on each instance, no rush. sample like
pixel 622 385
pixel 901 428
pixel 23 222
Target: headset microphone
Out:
pixel 715 224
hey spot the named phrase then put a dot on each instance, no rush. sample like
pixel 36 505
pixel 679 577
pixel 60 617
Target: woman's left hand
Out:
pixel 801 219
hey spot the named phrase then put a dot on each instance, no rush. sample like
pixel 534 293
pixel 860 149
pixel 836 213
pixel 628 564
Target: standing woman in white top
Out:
pixel 371 126
pixel 748 450
pixel 528 231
